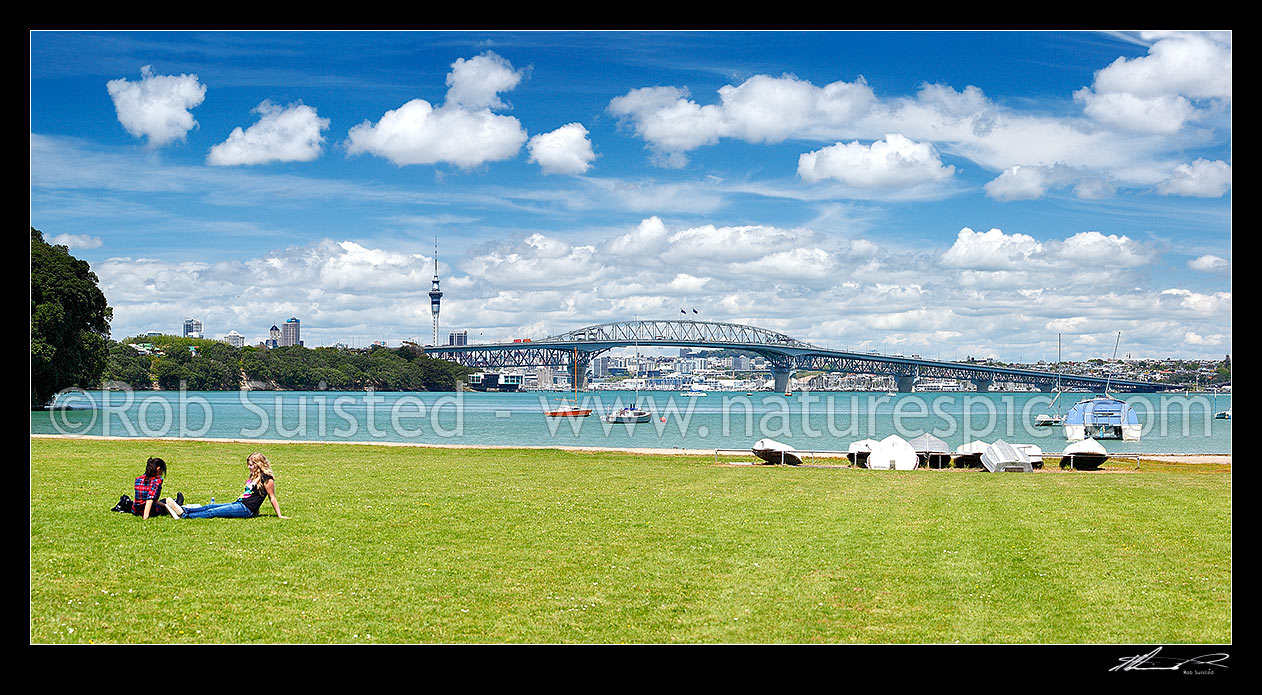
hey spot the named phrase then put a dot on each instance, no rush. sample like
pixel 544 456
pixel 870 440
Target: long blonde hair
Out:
pixel 259 467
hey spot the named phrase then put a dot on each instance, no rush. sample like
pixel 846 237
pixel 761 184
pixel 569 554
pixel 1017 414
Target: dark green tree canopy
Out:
pixel 70 322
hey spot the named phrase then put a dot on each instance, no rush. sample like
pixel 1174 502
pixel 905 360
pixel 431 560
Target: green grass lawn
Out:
pixel 403 544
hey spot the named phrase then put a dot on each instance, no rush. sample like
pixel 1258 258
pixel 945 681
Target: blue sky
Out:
pixel 937 193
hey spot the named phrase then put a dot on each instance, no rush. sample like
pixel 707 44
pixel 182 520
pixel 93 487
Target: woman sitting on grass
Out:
pixel 259 485
pixel 149 488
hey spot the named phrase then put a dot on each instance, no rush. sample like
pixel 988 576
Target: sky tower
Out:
pixel 435 294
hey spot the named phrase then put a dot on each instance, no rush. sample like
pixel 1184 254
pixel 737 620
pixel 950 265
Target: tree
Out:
pixel 127 366
pixel 70 322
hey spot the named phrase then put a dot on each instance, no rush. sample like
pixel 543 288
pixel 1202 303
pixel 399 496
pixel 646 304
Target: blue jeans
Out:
pixel 228 510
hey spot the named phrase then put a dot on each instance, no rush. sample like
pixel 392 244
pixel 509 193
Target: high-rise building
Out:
pixel 192 328
pixel 458 338
pixel 234 339
pixel 289 334
pixel 435 294
pixel 600 367
pixel 273 337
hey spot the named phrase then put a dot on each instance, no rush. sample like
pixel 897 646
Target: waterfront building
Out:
pixel 289 335
pixel 192 328
pixel 600 367
pixel 458 338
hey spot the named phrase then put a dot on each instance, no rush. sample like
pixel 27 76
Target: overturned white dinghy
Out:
pixel 1087 455
pixel 772 451
pixel 1034 453
pixel 893 453
pixel 859 451
pixel 1002 457
pixel 970 455
pixel 932 452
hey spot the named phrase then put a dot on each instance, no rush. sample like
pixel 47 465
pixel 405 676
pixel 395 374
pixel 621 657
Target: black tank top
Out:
pixel 253 497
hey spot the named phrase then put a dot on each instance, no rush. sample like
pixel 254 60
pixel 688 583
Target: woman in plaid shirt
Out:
pixel 149 488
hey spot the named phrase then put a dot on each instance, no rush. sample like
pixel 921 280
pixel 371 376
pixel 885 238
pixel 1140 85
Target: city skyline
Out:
pixel 940 193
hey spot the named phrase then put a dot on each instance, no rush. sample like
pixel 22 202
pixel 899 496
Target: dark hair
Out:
pixel 154 467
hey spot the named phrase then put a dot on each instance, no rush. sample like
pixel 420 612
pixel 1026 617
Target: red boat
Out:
pixel 570 408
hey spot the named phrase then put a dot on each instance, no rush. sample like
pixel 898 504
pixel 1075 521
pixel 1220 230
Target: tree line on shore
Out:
pixel 209 365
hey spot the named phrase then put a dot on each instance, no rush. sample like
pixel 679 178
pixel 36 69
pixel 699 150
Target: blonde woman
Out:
pixel 259 486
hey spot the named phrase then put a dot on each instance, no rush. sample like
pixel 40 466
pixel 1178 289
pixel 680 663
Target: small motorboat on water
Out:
pixel 628 415
pixel 772 451
pixel 1087 455
pixel 633 413
pixel 1052 419
pixel 1223 414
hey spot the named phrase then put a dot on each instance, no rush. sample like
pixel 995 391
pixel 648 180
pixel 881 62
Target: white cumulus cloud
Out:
pixel 476 83
pixel 991 250
pixel 761 109
pixel 1085 248
pixel 1156 93
pixel 77 241
pixel 895 162
pixel 566 150
pixel 463 131
pixel 1031 182
pixel 1210 263
pixel 158 106
pixel 282 134
pixel 1201 179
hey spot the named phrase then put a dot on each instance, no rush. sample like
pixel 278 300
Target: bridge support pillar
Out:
pixel 781 377
pixel 983 385
pixel 906 382
pixel 581 377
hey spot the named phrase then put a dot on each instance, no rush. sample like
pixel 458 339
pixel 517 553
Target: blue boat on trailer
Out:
pixel 1102 417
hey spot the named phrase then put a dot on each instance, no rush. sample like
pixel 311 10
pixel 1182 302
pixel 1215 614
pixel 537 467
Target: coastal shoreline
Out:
pixel 1164 457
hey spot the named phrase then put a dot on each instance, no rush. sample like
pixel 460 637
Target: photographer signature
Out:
pixel 1150 661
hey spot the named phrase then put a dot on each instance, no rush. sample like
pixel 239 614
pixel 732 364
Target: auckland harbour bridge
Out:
pixel 784 354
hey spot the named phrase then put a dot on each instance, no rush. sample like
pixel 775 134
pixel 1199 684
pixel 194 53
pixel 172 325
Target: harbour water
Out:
pixel 1173 423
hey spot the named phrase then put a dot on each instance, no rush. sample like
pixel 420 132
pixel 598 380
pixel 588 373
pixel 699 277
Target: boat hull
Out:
pixel 581 412
pixel 774 452
pixel 1083 462
pixel 1127 433
pixel 627 417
